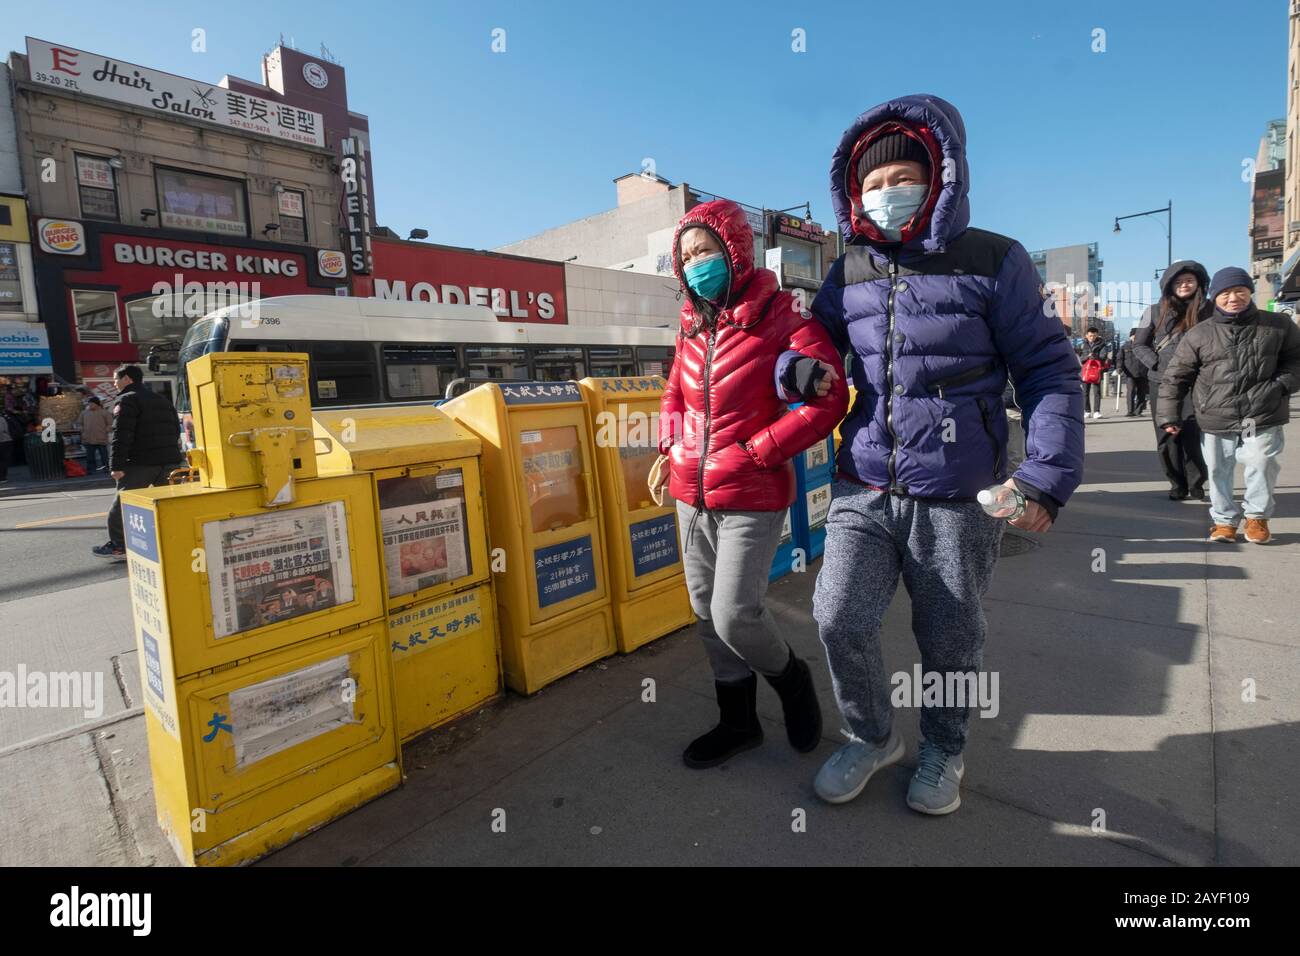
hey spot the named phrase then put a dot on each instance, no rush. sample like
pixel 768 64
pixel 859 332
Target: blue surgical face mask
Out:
pixel 891 209
pixel 707 276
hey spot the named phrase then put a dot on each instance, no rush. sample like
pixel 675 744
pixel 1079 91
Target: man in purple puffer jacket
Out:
pixel 935 315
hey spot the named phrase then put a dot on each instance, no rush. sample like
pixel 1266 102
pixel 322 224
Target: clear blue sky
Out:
pixel 484 148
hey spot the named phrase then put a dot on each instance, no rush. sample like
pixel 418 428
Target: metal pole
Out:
pixel 1171 234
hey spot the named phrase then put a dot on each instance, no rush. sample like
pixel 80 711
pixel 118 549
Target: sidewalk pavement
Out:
pixel 21 483
pixel 1126 648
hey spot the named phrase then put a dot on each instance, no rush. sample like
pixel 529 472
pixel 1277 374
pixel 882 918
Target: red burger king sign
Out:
pixel 61 236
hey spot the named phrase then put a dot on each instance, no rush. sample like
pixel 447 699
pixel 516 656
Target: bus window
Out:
pixel 344 373
pixel 418 371
pixel 496 362
pixel 654 360
pixel 611 362
pixel 558 363
pixel 204 336
pixel 264 346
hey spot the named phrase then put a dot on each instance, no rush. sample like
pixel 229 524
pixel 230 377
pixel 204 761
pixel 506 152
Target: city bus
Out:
pixel 368 351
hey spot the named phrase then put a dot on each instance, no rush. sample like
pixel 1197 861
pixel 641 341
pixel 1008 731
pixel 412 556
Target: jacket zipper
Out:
pixel 988 430
pixel 711 337
pixel 889 373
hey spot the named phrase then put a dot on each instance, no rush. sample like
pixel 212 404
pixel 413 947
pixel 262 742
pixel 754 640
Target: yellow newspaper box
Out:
pixel 252 421
pixel 853 398
pixel 545 520
pixel 266 679
pixel 439 604
pixel 649 595
pixel 239 579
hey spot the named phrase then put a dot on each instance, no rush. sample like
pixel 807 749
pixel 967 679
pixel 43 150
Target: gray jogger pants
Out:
pixel 945 552
pixel 727 557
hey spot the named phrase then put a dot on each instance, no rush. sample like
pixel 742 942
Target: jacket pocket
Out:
pixel 986 416
pixel 962 378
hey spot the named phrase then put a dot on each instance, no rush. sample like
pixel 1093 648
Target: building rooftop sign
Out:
pixel 70 70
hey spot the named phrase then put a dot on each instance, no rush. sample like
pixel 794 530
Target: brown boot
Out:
pixel 1257 530
pixel 1223 533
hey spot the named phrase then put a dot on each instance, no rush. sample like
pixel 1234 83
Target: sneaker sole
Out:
pixel 941 811
pixel 889 761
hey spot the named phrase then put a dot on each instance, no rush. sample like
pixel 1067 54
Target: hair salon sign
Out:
pixel 71 70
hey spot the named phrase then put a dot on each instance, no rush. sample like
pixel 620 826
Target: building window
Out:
pixel 97 187
pixel 200 202
pixel 801 259
pixel 96 315
pixel 292 206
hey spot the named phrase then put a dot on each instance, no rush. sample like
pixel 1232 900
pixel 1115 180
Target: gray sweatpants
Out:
pixel 727 557
pixel 945 552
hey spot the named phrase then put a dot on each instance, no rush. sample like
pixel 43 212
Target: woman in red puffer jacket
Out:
pixel 729 435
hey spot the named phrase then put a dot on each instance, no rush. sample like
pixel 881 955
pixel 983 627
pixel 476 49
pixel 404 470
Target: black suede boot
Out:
pixel 803 715
pixel 738 727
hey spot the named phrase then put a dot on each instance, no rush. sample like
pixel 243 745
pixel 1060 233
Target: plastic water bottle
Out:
pixel 1002 501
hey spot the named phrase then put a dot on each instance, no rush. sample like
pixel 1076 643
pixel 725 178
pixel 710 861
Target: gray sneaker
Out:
pixel 846 773
pixel 935 787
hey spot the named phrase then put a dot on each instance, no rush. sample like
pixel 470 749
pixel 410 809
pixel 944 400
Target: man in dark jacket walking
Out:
pixel 1241 367
pixel 143 448
pixel 1135 372
pixel 935 315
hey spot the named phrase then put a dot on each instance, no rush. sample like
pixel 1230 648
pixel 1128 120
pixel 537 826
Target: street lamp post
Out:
pixel 1169 230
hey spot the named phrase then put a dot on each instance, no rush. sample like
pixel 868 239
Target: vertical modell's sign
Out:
pixel 356 205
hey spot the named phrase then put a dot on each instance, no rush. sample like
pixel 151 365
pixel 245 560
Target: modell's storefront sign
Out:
pixel 76 71
pixel 356 206
pixel 62 237
pixel 516 289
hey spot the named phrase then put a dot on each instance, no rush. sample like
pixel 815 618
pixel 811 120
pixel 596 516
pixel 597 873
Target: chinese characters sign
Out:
pixel 564 571
pixel 76 71
pixel 414 629
pixel 537 393
pixel 654 544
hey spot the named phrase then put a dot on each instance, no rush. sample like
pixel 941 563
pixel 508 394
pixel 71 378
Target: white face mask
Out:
pixel 891 209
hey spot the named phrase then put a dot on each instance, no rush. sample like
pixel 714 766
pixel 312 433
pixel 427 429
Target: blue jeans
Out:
pixel 96 455
pixel 1261 456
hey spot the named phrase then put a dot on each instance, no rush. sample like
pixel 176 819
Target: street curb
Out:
pixel 59 484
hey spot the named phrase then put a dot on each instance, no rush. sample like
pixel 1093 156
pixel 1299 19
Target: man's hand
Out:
pixel 1035 517
pixel 117 475
pixel 1172 429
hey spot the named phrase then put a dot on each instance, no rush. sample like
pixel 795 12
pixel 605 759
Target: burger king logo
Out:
pixel 331 264
pixel 61 237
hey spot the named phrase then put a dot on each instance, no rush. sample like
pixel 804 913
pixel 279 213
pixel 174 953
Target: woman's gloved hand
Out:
pixel 808 378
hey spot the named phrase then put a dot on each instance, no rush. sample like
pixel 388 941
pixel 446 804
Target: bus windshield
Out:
pixel 204 336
